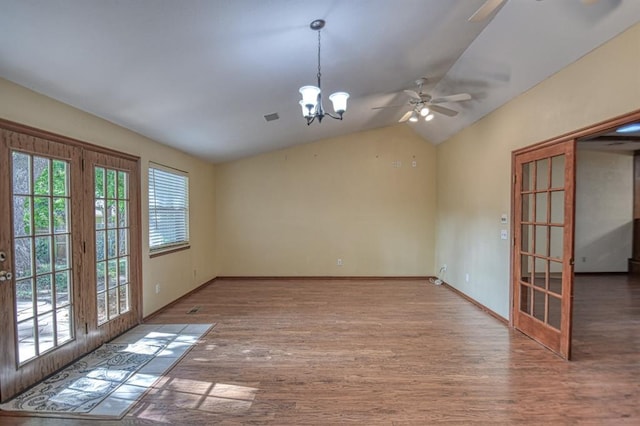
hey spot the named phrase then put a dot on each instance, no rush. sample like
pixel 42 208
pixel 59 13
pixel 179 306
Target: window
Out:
pixel 168 207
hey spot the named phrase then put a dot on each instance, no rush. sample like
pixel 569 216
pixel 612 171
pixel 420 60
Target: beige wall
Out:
pixel 604 211
pixel 474 166
pixel 294 212
pixel 177 273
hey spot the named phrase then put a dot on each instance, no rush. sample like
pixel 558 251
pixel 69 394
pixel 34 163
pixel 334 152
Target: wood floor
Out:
pixel 391 353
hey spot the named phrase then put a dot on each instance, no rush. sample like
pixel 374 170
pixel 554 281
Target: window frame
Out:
pixel 156 250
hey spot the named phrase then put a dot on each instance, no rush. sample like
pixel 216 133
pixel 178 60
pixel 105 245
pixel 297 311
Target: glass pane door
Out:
pixel 41 326
pixel 543 265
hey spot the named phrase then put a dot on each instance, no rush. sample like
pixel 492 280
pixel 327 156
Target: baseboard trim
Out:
pixel 580 274
pixel 477 304
pixel 321 278
pixel 170 304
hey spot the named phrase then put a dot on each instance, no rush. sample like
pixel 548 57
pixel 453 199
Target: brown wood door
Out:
pixel 543 246
pixel 113 246
pixel 41 328
pixel 70 248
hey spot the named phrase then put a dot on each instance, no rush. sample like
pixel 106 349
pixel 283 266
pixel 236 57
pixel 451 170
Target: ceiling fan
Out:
pixel 423 104
pixel 491 6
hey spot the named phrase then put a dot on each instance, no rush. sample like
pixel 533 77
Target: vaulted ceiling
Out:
pixel 200 75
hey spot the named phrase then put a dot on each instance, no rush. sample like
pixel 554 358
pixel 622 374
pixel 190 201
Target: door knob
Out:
pixel 5 275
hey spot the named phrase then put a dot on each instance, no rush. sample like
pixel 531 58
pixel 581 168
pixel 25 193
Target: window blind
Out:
pixel 168 207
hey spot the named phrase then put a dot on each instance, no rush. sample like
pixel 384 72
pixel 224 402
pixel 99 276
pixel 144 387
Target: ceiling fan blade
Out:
pixel 405 117
pixel 486 10
pixel 389 106
pixel 413 94
pixel 442 110
pixel 452 98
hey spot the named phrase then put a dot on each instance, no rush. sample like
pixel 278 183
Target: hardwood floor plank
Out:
pixel 390 353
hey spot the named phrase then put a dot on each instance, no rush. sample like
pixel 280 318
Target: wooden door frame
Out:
pixel 136 231
pixel 593 129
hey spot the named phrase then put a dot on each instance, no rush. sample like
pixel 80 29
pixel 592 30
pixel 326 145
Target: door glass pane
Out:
pixel 526 269
pixel 60 215
pixel 22 224
pixel 557 207
pixel 21 173
pixel 111 184
pixel 112 296
pixel 525 299
pixel 541 243
pixel 60 179
pixel 556 242
pixel 26 340
pixel 555 312
pixel 541 207
pixel 43 254
pixel 542 174
pixel 112 247
pixel 65 333
pixel 527 207
pixel 23 259
pixel 45 332
pixel 41 176
pixel 539 305
pixel 123 185
pixel 62 250
pixel 541 272
pixel 557 171
pixel 101 276
pixel 99 183
pixel 63 297
pixel 527 176
pixel 42 215
pixel 44 293
pixel 527 238
pixel 41 245
pixel 555 277
pixel 24 299
pixel 124 298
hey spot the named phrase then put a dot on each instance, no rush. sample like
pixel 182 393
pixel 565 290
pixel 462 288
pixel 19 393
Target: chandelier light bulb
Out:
pixel 424 111
pixel 429 117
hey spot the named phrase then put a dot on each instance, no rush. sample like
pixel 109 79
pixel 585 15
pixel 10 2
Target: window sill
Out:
pixel 168 250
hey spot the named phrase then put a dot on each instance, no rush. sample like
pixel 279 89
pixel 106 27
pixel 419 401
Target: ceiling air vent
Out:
pixel 272 117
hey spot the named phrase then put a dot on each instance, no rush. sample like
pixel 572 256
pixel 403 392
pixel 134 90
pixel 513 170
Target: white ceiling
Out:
pixel 199 75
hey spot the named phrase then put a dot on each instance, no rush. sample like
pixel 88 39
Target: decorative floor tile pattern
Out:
pixel 106 383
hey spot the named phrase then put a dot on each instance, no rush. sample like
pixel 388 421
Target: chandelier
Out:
pixel 311 102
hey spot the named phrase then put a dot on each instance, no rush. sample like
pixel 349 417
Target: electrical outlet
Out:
pixel 339 263
pixel 466 277
pixel 157 288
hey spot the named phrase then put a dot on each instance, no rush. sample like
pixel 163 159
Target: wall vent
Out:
pixel 272 117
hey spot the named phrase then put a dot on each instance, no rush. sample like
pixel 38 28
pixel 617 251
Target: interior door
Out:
pixel 543 246
pixel 40 322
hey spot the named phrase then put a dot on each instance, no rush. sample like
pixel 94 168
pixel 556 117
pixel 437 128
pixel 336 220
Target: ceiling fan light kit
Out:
pixel 311 102
pixel 424 105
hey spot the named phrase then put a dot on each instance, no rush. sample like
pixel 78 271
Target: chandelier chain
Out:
pixel 319 73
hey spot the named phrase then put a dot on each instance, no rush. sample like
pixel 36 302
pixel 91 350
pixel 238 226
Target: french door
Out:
pixel 68 246
pixel 543 246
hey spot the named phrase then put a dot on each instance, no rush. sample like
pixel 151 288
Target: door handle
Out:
pixel 5 276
